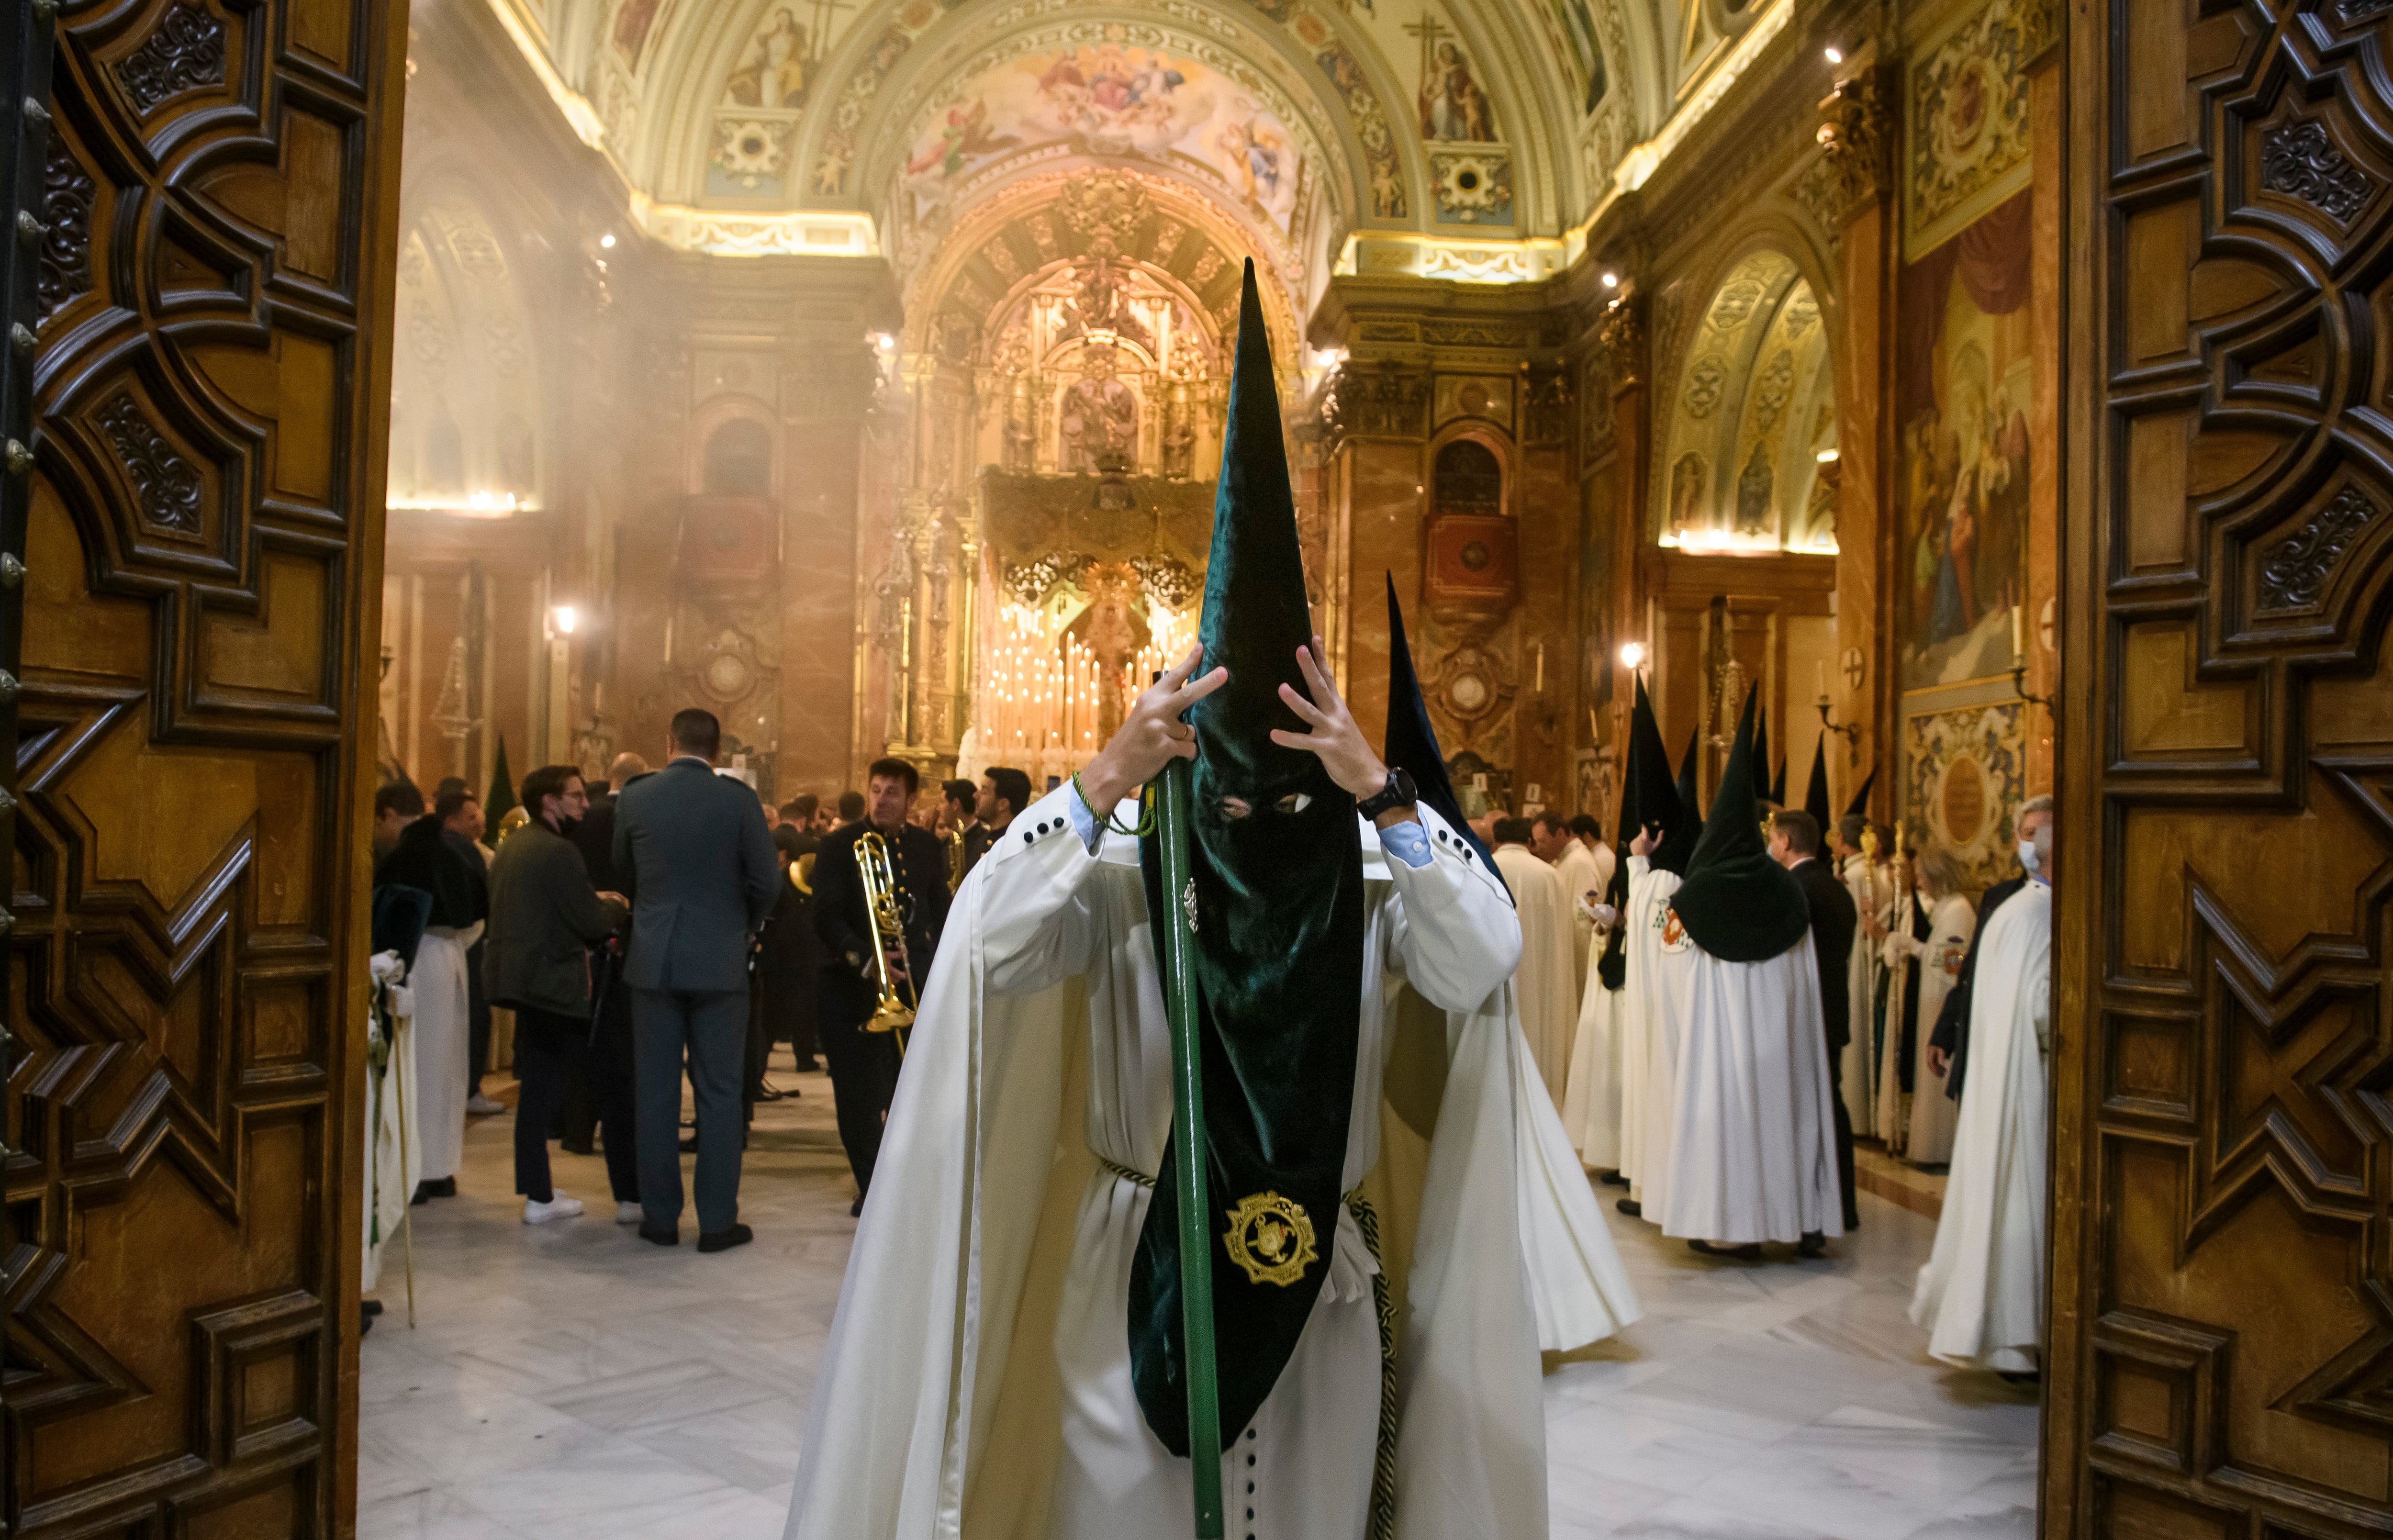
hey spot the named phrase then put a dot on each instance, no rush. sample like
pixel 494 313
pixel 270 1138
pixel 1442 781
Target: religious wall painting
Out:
pixel 1484 396
pixel 1966 122
pixel 1964 776
pixel 1570 30
pixel 630 27
pixel 1963 386
pixel 1097 423
pixel 1389 200
pixel 1114 101
pixel 835 162
pixel 1453 106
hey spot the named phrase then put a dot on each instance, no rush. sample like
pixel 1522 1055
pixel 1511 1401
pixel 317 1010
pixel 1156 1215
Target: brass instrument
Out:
pixel 879 879
pixel 955 843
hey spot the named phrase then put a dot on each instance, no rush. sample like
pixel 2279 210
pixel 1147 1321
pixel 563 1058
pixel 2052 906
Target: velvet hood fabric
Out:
pixel 1277 889
pixel 1859 806
pixel 1738 904
pixel 1647 796
pixel 1411 741
pixel 1762 790
pixel 1815 794
pixel 1683 824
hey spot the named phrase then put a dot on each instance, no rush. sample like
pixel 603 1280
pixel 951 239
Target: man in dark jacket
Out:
pixel 703 872
pixel 1795 841
pixel 610 1006
pixel 863 1065
pixel 1004 792
pixel 544 917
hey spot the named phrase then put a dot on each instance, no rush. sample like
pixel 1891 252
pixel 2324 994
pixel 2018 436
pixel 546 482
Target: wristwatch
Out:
pixel 1397 793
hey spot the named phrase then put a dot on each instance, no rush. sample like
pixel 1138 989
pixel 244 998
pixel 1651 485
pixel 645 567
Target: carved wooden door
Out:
pixel 201 534
pixel 2222 1296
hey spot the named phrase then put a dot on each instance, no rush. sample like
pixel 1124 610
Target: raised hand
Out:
pixel 1334 736
pixel 1152 734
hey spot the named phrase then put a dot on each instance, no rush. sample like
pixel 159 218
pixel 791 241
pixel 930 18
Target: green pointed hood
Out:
pixel 1410 743
pixel 1738 904
pixel 1762 791
pixel 1276 874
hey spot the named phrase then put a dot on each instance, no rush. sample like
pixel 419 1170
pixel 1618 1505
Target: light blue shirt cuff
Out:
pixel 1084 823
pixel 1408 843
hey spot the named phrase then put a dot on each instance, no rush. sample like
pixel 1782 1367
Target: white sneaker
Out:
pixel 559 1206
pixel 628 1213
pixel 484 1106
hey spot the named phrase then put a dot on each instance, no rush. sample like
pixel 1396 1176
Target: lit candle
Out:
pixel 1824 684
pixel 2018 633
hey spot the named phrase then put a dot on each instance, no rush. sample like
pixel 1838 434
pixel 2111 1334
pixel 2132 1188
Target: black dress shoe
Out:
pixel 689 1145
pixel 371 1306
pixel 1613 1179
pixel 365 1322
pixel 425 1191
pixel 1631 1207
pixel 660 1237
pixel 1749 1252
pixel 1813 1244
pixel 723 1240
pixel 856 1209
pixel 585 1147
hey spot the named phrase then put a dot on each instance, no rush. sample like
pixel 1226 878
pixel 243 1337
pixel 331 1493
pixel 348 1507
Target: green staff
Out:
pixel 1188 1155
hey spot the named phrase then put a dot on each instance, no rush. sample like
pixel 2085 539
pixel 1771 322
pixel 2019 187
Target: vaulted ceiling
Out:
pixel 874 126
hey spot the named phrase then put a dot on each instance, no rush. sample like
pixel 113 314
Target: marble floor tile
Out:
pixel 568 1382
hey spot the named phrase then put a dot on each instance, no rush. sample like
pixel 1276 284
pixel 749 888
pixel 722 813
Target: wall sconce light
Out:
pixel 607 241
pixel 1611 280
pixel 1827 457
pixel 1835 55
pixel 1632 655
pixel 563 619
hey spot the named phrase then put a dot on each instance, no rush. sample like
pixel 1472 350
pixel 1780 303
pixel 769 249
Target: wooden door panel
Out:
pixel 201 534
pixel 2222 1300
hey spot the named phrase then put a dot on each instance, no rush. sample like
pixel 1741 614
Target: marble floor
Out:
pixel 569 1381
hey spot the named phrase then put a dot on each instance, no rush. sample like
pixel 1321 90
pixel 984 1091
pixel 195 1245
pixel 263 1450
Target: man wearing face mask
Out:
pixel 1007 1356
pixel 1981 1296
pixel 1948 1046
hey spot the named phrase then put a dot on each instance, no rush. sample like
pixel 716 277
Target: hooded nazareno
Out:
pixel 1411 740
pixel 1738 904
pixel 1648 796
pixel 1277 885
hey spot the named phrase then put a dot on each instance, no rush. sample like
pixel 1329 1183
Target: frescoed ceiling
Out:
pixel 872 126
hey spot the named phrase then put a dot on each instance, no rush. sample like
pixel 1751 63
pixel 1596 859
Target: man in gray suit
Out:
pixel 703 871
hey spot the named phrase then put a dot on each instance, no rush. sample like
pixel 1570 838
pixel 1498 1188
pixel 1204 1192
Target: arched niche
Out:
pixel 469 427
pixel 1749 456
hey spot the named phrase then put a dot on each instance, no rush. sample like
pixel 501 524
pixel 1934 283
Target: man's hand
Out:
pixel 1334 737
pixel 1152 735
pixel 608 895
pixel 1644 842
pixel 1939 1062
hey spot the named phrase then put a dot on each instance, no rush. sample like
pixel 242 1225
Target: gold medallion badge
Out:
pixel 1271 1237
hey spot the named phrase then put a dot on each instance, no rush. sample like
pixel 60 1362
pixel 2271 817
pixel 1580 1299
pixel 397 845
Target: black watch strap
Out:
pixel 1397 793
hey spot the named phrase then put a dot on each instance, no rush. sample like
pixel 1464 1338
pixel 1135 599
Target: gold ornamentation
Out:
pixel 1271 1237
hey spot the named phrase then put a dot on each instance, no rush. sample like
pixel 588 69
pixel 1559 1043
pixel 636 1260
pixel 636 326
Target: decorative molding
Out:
pixel 1379 403
pixel 2293 571
pixel 1620 337
pixel 67 196
pixel 2298 160
pixel 167 484
pixel 185 53
pixel 1850 173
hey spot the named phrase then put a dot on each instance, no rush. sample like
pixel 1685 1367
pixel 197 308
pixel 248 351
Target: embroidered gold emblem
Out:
pixel 1674 931
pixel 1271 1237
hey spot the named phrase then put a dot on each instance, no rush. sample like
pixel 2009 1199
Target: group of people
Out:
pixel 1717 1005
pixel 653 929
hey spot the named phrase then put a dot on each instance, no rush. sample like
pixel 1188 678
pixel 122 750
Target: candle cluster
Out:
pixel 1046 703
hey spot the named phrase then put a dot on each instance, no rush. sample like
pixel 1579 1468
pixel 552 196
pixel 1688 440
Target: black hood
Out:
pixel 1411 741
pixel 1859 806
pixel 1762 790
pixel 1738 904
pixel 1647 796
pixel 1815 794
pixel 1685 824
pixel 1278 894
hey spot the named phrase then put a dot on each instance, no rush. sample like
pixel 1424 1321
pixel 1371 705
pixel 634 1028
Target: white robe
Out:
pixel 1548 999
pixel 1981 1296
pixel 1592 1105
pixel 1857 1067
pixel 396 1149
pixel 1649 1059
pixel 1918 1125
pixel 1582 872
pixel 1753 1139
pixel 977 1381
pixel 443 1024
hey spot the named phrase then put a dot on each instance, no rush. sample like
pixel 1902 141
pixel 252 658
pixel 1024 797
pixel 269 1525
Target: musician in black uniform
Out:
pixel 863 1065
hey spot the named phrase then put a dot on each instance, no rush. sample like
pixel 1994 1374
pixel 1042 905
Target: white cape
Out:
pixel 442 1029
pixel 1649 1059
pixel 1753 1138
pixel 1591 1107
pixel 935 1413
pixel 1548 999
pixel 395 1151
pixel 1918 1124
pixel 1982 1294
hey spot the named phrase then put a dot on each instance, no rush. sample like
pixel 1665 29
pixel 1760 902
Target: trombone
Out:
pixel 873 865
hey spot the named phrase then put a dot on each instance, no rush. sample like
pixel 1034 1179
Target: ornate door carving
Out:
pixel 2222 1297
pixel 201 531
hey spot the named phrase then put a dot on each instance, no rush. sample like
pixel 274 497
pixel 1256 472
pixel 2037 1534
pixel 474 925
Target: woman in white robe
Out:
pixel 1923 954
pixel 1980 1294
